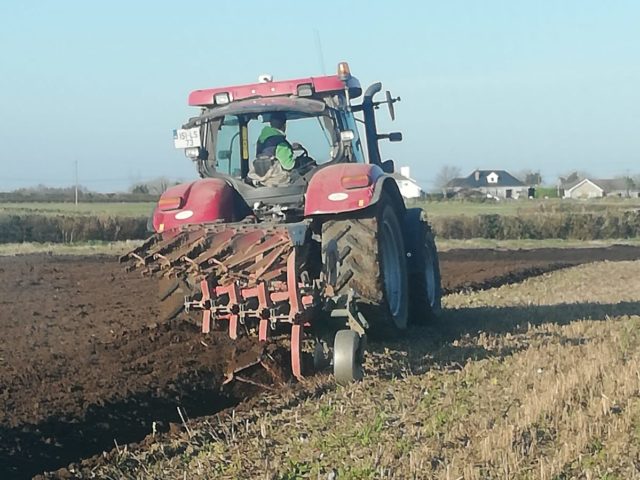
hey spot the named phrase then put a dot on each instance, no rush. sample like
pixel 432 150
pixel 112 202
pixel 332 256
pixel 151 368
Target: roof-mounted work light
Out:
pixel 221 98
pixel 305 90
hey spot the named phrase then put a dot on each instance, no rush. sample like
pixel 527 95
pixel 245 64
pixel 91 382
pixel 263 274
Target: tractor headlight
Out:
pixel 221 98
pixel 305 90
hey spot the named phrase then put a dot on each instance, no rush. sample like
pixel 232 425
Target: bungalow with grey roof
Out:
pixel 492 183
pixel 597 188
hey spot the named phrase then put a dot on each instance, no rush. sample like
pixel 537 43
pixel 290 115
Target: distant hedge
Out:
pixel 579 226
pixel 68 197
pixel 67 229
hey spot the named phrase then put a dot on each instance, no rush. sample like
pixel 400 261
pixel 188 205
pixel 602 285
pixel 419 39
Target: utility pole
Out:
pixel 76 163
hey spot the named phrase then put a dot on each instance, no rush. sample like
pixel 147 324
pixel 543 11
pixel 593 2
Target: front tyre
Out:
pixel 424 275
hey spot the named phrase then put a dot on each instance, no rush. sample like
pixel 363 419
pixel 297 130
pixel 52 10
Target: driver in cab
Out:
pixel 273 142
pixel 275 164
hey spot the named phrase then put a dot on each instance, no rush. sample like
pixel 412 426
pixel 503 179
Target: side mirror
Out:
pixel 388 166
pixel 390 101
pixel 395 137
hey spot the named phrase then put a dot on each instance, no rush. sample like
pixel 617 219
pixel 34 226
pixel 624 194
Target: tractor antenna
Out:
pixel 319 51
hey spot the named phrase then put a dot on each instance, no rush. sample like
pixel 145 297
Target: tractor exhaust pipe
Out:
pixel 371 131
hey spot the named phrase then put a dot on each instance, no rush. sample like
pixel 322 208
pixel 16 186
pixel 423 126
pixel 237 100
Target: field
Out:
pixel 516 380
pixel 120 209
pixel 530 373
pixel 434 208
pixel 526 207
pixel 76 248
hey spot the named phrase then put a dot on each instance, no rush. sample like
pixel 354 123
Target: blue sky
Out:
pixel 552 85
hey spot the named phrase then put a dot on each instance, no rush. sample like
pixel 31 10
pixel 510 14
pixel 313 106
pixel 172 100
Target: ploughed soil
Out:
pixel 83 360
pixel 479 269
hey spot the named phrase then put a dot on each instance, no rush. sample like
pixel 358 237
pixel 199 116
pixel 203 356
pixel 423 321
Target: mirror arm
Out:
pixel 392 136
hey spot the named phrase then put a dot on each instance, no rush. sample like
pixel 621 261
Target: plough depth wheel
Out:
pixel 347 357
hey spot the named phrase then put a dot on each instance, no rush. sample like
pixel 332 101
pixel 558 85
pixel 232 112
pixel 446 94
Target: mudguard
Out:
pixel 202 201
pixel 346 187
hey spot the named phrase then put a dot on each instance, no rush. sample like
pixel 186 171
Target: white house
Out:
pixel 409 188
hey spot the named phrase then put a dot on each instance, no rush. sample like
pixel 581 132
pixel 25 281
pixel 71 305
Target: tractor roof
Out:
pixel 260 105
pixel 304 87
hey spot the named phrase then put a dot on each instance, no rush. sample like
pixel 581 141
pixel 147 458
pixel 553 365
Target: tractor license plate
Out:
pixel 186 137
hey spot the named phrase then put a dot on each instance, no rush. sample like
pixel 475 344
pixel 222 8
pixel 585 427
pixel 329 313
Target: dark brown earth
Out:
pixel 84 361
pixel 471 269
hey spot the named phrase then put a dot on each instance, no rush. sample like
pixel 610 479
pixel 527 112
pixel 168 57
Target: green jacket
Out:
pixel 281 150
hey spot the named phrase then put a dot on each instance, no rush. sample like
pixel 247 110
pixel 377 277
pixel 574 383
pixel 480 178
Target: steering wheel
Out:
pixel 303 161
pixel 296 147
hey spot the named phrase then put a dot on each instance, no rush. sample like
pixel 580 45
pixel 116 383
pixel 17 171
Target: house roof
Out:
pixel 606 185
pixel 478 179
pixel 610 185
pixel 579 183
pixel 570 185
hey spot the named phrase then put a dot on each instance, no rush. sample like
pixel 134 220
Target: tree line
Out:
pixel 148 191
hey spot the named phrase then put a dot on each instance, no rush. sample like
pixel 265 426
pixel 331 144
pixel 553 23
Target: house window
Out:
pixel 509 193
pixel 492 177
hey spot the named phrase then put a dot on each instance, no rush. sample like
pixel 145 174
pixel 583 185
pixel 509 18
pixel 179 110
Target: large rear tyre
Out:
pixel 347 357
pixel 368 256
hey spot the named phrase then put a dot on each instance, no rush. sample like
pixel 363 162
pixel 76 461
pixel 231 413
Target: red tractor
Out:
pixel 327 253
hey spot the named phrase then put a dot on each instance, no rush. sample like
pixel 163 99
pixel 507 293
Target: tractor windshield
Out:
pixel 314 134
pixel 230 140
pixel 234 137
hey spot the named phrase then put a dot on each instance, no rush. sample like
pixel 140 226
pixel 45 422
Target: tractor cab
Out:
pixel 323 137
pixel 320 127
pixel 316 131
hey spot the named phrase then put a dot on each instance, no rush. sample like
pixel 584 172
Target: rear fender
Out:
pixel 202 201
pixel 327 193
